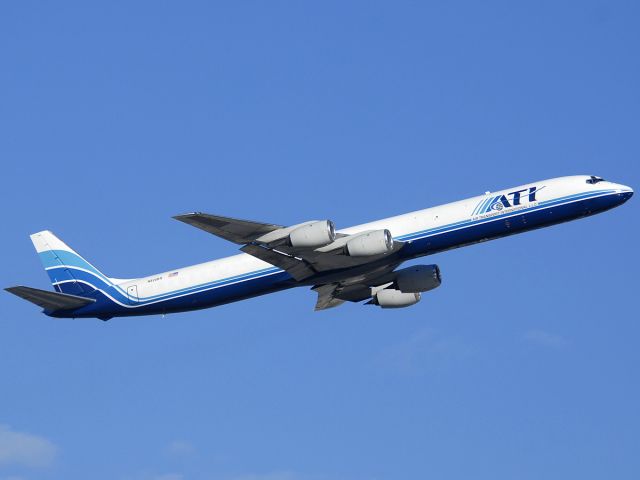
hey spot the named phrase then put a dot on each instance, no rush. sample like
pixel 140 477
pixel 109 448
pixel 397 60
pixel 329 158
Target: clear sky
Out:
pixel 116 115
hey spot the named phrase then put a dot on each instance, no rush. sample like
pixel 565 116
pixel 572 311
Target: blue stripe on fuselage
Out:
pixel 464 223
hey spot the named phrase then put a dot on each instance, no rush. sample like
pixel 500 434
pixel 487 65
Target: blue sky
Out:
pixel 117 115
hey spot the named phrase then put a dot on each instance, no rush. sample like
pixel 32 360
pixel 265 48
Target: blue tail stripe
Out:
pixel 53 258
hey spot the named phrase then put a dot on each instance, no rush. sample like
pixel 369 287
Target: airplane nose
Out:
pixel 625 193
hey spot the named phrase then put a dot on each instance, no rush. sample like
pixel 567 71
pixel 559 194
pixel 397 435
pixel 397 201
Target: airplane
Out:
pixel 357 264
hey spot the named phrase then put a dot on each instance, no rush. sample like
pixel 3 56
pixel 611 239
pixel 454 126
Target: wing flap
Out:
pixel 326 298
pixel 50 301
pixel 298 269
pixel 327 260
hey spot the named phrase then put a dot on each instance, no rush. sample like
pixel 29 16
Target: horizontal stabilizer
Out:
pixel 50 301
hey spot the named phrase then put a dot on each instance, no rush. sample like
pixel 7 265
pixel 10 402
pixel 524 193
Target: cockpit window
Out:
pixel 593 180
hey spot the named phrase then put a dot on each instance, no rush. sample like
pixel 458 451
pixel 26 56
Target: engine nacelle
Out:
pixel 418 278
pixel 395 298
pixel 366 244
pixel 314 234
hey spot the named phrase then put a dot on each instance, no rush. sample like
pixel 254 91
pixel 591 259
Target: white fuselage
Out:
pixel 403 226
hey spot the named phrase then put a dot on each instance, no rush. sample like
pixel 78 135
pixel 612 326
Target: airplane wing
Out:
pixel 232 229
pixel 302 259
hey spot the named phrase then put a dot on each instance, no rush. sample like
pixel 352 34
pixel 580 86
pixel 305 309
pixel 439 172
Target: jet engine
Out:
pixel 314 234
pixel 418 278
pixel 388 298
pixel 371 243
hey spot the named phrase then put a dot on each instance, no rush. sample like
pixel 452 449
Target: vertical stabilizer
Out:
pixel 68 271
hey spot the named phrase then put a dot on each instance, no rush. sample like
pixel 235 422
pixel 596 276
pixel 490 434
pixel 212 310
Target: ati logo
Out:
pixel 498 203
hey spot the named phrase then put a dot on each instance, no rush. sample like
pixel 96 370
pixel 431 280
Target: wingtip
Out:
pixel 183 215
